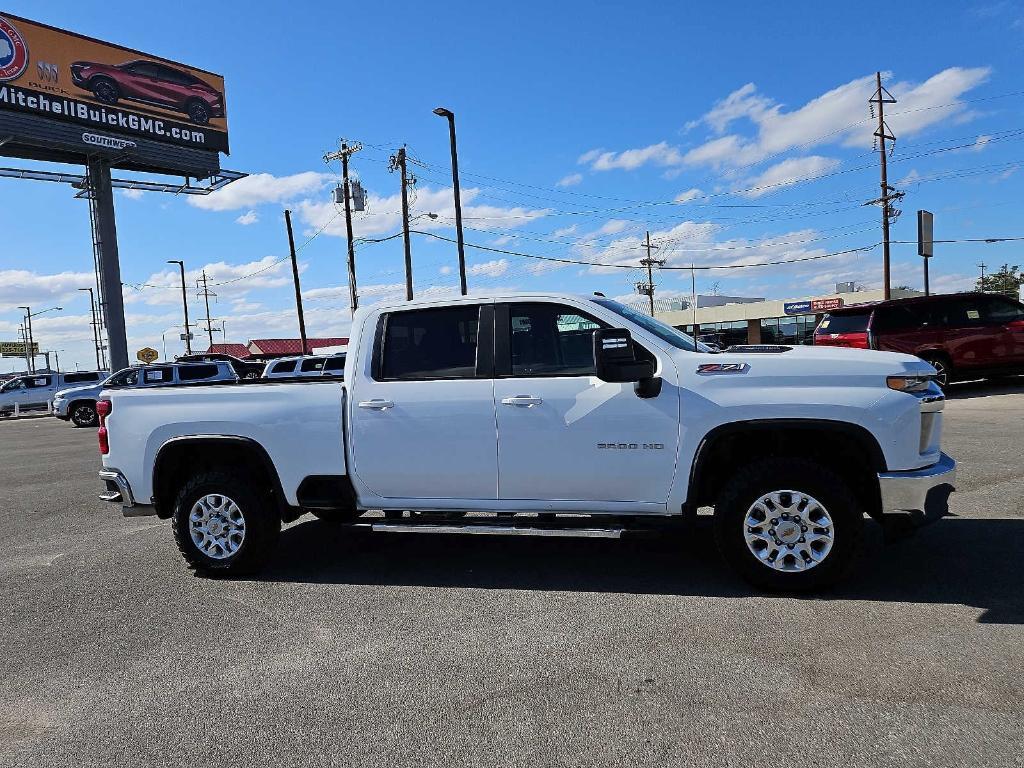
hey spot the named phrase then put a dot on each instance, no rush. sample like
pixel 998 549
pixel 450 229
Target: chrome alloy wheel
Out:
pixel 788 531
pixel 217 526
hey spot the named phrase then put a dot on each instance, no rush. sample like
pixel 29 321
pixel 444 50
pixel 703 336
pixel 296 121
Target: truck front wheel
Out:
pixel 788 524
pixel 222 526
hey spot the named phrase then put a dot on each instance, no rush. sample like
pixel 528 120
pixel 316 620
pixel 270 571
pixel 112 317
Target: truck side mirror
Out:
pixel 615 359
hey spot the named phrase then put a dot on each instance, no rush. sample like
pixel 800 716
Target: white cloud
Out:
pixel 228 281
pixel 261 188
pixel 495 268
pixel 981 142
pixel 131 194
pixel 838 116
pixel 564 231
pixel 657 154
pixel 19 287
pixel 570 181
pixel 383 215
pixel 445 270
pixel 588 157
pixel 247 218
pixel 787 173
pixel 688 195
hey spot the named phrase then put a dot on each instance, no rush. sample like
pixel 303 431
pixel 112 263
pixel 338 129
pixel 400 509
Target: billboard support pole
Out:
pixel 109 266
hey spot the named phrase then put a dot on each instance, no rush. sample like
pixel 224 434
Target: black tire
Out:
pixel 105 90
pixel 83 414
pixel 336 516
pixel 262 524
pixel 943 367
pixel 198 112
pixel 805 476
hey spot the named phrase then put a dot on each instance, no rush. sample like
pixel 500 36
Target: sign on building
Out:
pixel 796 307
pixel 826 305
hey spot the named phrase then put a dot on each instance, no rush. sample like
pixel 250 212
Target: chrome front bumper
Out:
pixel 919 490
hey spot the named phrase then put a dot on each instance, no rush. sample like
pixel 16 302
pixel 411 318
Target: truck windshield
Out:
pixel 12 384
pixel 663 331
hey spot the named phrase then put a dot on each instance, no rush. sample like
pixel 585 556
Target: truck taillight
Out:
pixel 103 409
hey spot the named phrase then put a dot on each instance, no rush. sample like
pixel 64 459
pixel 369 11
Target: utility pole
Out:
pixel 889 194
pixel 206 293
pixel 27 328
pixel 295 277
pixel 982 283
pixel 649 262
pixel 344 153
pixel 184 304
pixel 398 163
pixel 95 328
pixel 24 338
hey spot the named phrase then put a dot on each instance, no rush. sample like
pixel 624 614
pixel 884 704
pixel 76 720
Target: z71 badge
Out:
pixel 632 446
pixel 713 368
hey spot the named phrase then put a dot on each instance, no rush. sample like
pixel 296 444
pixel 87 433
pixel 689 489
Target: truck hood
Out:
pixel 91 391
pixel 808 361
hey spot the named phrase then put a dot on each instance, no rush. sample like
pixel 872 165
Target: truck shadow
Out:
pixel 967 390
pixel 956 560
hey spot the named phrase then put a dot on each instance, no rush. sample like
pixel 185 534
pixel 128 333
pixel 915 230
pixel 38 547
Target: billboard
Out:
pixel 112 93
pixel 18 348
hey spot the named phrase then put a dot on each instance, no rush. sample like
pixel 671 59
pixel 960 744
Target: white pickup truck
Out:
pixel 541 414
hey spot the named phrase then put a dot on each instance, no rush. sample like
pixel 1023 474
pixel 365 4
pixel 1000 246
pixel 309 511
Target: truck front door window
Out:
pixel 552 340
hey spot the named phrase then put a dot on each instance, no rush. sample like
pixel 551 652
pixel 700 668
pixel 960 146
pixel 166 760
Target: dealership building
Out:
pixel 735 320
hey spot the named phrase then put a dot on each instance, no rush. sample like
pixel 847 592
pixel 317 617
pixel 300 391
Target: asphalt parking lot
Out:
pixel 391 650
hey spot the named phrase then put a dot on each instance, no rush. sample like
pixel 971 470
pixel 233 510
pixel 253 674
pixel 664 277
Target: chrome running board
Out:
pixel 497 530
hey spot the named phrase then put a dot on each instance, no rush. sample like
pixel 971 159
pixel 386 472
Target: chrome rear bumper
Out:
pixel 919 490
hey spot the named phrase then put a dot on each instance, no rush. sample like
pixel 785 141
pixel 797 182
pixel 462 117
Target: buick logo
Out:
pixel 47 72
pixel 13 52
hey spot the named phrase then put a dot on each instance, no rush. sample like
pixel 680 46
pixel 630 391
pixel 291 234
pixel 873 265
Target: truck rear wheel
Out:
pixel 222 526
pixel 788 524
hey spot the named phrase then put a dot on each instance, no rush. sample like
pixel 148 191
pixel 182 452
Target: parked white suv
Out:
pixel 35 391
pixel 307 365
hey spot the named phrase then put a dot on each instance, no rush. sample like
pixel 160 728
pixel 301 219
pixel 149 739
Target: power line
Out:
pixel 633 266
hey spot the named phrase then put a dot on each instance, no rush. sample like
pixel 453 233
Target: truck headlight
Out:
pixel 911 383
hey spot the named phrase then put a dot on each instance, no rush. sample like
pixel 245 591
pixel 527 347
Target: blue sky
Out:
pixel 734 132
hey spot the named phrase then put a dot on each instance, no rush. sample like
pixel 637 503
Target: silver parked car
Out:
pixel 78 405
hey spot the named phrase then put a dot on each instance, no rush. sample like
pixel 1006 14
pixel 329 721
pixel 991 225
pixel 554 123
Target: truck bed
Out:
pixel 298 422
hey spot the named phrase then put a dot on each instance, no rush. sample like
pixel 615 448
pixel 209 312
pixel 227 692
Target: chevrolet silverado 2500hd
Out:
pixel 541 414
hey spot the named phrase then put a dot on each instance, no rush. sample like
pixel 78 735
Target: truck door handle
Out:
pixel 377 405
pixel 526 401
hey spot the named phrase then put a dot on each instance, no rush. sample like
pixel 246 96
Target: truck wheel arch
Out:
pixel 726 447
pixel 180 456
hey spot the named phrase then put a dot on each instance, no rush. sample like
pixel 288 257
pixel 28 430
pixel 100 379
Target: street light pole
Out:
pixel 447 113
pixel 184 303
pixel 95 329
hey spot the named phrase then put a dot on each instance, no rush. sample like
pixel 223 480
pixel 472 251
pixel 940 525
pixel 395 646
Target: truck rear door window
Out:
pixel 334 364
pixel 845 323
pixel 313 365
pixel 430 344
pixel 81 378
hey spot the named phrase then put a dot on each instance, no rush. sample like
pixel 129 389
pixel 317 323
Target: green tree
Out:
pixel 1007 280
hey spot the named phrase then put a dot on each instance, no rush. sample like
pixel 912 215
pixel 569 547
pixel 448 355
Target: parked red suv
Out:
pixel 964 335
pixel 151 83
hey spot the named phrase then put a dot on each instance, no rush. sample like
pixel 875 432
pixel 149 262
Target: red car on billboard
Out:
pixel 150 82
